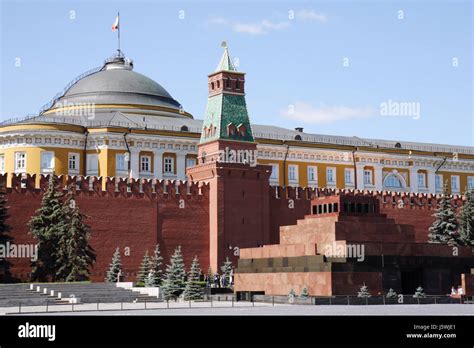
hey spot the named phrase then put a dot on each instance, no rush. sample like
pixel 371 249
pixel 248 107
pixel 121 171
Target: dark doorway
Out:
pixel 411 279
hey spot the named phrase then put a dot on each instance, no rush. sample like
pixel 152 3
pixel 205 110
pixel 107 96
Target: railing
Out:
pixel 355 300
pixel 52 306
pixel 69 85
pixel 83 121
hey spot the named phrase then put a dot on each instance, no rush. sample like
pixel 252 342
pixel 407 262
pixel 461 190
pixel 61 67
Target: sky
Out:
pixel 397 70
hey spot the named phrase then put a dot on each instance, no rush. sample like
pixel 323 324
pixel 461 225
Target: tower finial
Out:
pixel 224 44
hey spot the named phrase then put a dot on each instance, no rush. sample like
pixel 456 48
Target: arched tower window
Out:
pixel 242 130
pixel 231 129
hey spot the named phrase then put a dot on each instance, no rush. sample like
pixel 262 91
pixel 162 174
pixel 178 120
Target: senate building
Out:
pixel 115 122
pixel 271 200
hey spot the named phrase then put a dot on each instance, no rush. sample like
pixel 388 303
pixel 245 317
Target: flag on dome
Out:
pixel 115 26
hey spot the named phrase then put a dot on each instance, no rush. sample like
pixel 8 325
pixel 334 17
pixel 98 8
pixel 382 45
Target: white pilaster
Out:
pixel 414 179
pixel 181 166
pixel 134 163
pixel 431 181
pixel 378 177
pixel 158 164
pixel 360 176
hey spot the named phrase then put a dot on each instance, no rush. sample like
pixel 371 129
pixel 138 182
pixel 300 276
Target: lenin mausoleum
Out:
pixel 272 200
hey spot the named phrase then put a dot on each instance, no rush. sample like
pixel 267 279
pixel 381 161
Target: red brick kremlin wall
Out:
pixel 154 213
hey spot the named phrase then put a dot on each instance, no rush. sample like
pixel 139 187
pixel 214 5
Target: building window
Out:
pixel 47 161
pixel 190 162
pixel 455 183
pixel 169 165
pixel 145 164
pixel 331 175
pixel 121 162
pixel 227 83
pixel 393 181
pixel 470 182
pixel 439 182
pixel 20 161
pixel 368 177
pixel 293 172
pixel 92 164
pixel 312 174
pixel 2 163
pixel 73 163
pixel 274 176
pixel 237 84
pixel 348 176
pixel 212 85
pixel 422 180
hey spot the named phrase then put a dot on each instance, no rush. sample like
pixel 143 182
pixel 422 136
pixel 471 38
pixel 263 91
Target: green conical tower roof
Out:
pixel 226 63
pixel 226 112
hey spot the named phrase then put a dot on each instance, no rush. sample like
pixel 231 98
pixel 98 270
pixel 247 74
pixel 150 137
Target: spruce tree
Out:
pixel 144 268
pixel 419 293
pixel 444 228
pixel 174 282
pixel 4 237
pixel 304 293
pixel 466 220
pixel 226 271
pixel 156 267
pixel 193 288
pixel 363 291
pixel 391 293
pixel 115 268
pixel 46 227
pixel 75 255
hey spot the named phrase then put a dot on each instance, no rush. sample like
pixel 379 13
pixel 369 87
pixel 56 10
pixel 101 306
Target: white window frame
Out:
pixel 293 174
pixel 455 188
pixel 43 168
pixel 145 161
pixel 331 170
pixel 89 160
pixel 314 171
pixel 368 174
pixel 349 171
pixel 439 182
pixel 22 167
pixel 77 162
pixel 168 168
pixel 470 182
pixel 421 177
pixel 121 158
pixel 275 175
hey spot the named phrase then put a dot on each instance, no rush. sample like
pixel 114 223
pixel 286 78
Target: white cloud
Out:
pixel 304 112
pixel 259 28
pixel 311 15
pixel 218 20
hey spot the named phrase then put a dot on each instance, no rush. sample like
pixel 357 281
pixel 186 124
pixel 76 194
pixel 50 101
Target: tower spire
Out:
pixel 225 64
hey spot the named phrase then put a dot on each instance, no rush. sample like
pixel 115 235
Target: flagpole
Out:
pixel 118 16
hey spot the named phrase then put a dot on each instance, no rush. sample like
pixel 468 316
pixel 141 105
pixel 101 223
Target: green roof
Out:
pixel 225 62
pixel 221 111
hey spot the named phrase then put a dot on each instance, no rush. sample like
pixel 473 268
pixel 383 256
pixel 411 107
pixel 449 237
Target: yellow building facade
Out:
pixel 114 122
